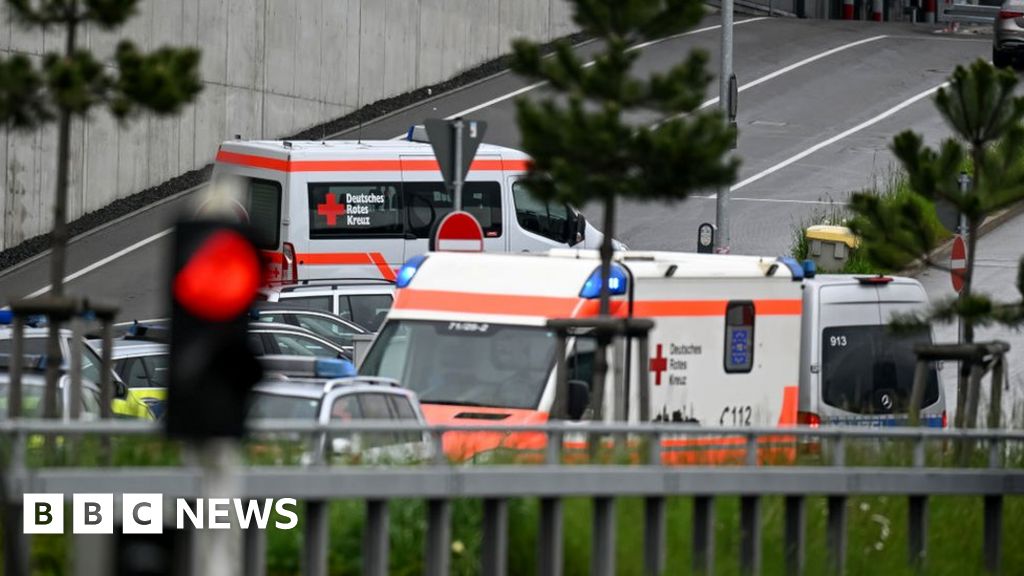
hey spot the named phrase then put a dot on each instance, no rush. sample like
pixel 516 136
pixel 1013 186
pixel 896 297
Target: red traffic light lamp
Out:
pixel 221 278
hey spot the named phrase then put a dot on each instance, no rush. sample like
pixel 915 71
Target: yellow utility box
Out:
pixel 829 246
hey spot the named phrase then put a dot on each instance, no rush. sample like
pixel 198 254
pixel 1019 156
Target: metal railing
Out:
pixel 971 14
pixel 439 482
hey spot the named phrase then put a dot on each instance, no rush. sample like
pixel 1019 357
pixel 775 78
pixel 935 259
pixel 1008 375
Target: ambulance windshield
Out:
pixel 465 363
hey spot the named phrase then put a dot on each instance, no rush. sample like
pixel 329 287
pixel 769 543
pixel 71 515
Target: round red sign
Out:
pixel 459 232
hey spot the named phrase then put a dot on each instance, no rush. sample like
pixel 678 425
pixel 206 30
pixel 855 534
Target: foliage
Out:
pixel 583 146
pixel 985 116
pixel 76 81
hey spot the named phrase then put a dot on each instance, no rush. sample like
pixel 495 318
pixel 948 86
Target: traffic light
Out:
pixel 216 273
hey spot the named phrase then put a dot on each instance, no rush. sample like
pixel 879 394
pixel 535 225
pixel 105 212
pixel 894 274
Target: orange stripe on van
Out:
pixel 349 259
pixel 476 303
pixel 563 307
pixel 778 307
pixel 407 165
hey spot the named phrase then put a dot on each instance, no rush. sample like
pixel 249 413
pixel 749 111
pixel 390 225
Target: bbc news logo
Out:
pixel 144 513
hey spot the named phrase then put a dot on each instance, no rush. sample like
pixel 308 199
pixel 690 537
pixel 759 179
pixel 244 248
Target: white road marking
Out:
pixel 105 261
pixel 536 85
pixel 865 124
pixel 796 65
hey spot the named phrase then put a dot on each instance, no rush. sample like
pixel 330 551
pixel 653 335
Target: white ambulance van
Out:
pixel 854 371
pixel 468 334
pixel 359 209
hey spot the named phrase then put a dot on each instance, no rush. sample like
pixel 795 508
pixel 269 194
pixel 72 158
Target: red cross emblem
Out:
pixel 658 365
pixel 330 210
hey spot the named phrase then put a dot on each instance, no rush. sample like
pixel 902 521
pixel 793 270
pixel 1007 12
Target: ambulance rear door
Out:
pixel 355 224
pixel 427 201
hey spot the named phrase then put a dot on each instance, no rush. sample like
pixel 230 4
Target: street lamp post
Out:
pixel 726 95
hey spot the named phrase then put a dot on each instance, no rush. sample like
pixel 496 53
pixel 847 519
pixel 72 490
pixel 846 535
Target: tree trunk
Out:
pixel 973 223
pixel 601 354
pixel 59 237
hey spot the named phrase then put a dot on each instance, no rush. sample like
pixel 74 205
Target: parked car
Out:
pixel 142 364
pixel 275 338
pixel 321 322
pixel 1008 33
pixel 362 301
pixel 124 405
pixel 33 382
pixel 346 400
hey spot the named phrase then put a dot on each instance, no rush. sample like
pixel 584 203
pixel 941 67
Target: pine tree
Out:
pixel 979 106
pixel 584 148
pixel 70 84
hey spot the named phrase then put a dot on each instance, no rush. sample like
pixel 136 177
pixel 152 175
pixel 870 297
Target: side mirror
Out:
pixel 120 388
pixel 579 398
pixel 577 226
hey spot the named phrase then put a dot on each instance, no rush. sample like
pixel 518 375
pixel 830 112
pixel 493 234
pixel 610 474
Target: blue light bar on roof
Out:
pixel 333 368
pixel 617 283
pixel 409 270
pixel 795 268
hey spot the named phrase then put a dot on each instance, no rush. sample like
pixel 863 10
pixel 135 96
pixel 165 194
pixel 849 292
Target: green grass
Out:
pixel 893 184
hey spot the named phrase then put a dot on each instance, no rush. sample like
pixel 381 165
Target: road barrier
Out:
pixel 551 480
pixel 970 13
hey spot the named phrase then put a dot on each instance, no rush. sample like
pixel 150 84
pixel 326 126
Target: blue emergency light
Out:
pixel 617 282
pixel 333 368
pixel 795 268
pixel 405 274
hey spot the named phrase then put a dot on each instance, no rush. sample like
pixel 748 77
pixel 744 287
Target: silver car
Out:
pixel 1008 33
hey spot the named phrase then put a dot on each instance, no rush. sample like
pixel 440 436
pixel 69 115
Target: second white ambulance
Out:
pixel 359 209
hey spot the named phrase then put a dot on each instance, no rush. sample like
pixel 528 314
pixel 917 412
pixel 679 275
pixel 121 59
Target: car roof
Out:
pixel 257 326
pixel 335 149
pixel 334 286
pixel 317 387
pixel 133 348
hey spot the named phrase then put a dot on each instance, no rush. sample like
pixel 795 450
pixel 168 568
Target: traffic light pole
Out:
pixel 726 104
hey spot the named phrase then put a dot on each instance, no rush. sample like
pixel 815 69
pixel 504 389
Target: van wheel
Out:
pixel 1001 59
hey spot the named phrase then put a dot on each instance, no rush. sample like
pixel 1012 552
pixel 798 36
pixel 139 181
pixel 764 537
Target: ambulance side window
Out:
pixel 427 202
pixel 739 337
pixel 264 208
pixel 355 210
pixel 547 219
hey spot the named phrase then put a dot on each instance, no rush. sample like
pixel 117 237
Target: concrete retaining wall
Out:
pixel 270 67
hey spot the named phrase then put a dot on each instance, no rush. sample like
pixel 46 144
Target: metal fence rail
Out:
pixel 439 483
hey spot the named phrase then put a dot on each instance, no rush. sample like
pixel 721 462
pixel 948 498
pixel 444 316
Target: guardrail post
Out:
pixel 993 533
pixel 602 546
pixel 796 535
pixel 550 537
pixel 495 545
pixel 750 535
pixel 439 537
pixel 917 530
pixel 255 552
pixel 837 534
pixel 704 535
pixel 315 528
pixel 375 538
pixel 654 535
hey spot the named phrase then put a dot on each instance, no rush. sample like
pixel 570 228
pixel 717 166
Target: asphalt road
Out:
pixel 819 102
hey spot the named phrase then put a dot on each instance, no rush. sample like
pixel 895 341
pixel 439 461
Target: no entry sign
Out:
pixel 458 232
pixel 958 263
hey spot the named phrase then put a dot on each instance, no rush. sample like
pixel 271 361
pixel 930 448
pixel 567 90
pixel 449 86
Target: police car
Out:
pixel 293 392
pixel 124 405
